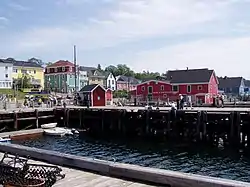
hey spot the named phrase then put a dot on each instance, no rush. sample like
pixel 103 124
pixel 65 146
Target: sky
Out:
pixel 150 35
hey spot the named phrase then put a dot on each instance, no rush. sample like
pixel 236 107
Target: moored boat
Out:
pixel 3 140
pixel 55 131
pixel 49 125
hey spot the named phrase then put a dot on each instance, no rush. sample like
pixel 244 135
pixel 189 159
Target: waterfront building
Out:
pixel 6 79
pixel 110 82
pixel 126 83
pixel 199 84
pixel 33 70
pixel 233 86
pixel 95 76
pixel 60 77
pixel 94 93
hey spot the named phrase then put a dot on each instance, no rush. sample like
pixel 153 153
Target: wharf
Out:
pixel 78 178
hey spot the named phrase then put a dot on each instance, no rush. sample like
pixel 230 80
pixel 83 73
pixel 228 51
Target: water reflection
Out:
pixel 217 162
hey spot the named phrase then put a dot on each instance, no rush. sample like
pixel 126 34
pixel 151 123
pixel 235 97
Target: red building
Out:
pixel 200 84
pixel 95 93
pixel 109 97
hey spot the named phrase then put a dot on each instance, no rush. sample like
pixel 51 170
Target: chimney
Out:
pixel 187 68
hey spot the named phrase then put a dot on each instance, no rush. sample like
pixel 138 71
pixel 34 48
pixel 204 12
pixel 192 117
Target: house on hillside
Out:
pixel 33 70
pixel 200 84
pixel 94 76
pixel 126 83
pixel 110 82
pixel 6 69
pixel 232 85
pixel 60 77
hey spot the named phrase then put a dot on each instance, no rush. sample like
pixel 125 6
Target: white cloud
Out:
pixel 229 56
pixel 18 7
pixel 133 20
pixel 3 19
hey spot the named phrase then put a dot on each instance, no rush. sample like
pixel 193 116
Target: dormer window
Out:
pixel 63 68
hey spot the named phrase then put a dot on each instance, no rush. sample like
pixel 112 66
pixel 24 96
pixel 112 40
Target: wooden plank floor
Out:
pixel 78 178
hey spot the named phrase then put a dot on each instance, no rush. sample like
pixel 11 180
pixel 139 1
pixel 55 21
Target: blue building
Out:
pixel 232 85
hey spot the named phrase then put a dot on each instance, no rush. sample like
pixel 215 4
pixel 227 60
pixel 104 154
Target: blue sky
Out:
pixel 154 35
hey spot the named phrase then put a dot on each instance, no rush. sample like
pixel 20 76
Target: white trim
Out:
pixel 153 81
pixel 199 86
pixel 190 88
pixel 189 83
pixel 92 99
pixel 141 88
pixel 163 87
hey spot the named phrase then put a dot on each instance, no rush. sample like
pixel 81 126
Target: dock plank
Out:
pixel 78 178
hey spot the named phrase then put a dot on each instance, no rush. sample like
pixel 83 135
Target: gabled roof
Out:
pixel 91 71
pixel 247 83
pixel 124 78
pixel 90 88
pixel 229 82
pixel 61 63
pixel 20 63
pixel 189 76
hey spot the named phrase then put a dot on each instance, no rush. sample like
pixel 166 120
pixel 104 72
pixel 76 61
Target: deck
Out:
pixel 78 178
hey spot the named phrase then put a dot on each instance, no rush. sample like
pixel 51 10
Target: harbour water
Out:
pixel 216 162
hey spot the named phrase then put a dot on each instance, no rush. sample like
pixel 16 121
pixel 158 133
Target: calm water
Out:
pixel 192 159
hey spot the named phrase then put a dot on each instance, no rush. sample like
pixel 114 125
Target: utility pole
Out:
pixel 75 73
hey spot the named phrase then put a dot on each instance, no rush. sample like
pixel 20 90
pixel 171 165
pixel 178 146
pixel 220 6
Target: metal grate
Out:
pixel 16 170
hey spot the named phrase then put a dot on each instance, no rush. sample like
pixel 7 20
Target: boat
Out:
pixel 55 131
pixel 2 140
pixel 49 126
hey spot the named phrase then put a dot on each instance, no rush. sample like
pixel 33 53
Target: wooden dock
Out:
pixel 78 178
pixel 108 170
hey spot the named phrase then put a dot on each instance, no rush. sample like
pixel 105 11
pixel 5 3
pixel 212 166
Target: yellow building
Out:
pixel 32 69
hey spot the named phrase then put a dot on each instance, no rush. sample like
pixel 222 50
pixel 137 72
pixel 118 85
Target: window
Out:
pixel 109 83
pixel 165 96
pixel 14 70
pixel 162 87
pixel 113 82
pixel 113 88
pixel 63 76
pixel 9 84
pixel 23 71
pixel 70 68
pixel 175 88
pixel 143 88
pixel 29 71
pixel 98 98
pixel 199 87
pixel 63 68
pixel 188 88
pixel 150 90
pixel 34 71
pixel 6 67
pixel 47 70
pixel 6 75
pixel 55 70
pixel 0 84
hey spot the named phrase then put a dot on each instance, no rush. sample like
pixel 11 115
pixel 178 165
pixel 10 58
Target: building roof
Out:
pixel 61 63
pixel 91 71
pixel 124 78
pixel 189 76
pixel 229 82
pixel 247 82
pixel 90 88
pixel 20 63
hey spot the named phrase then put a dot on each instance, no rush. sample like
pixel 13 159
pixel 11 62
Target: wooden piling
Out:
pixel 15 121
pixel 198 124
pixel 37 117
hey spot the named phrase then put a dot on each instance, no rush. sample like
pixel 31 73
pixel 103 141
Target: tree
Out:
pixel 48 63
pixel 23 81
pixel 35 60
pixel 112 69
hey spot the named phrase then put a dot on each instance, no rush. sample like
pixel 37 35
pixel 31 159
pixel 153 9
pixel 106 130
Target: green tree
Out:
pixel 99 67
pixel 36 60
pixel 112 69
pixel 23 82
pixel 48 63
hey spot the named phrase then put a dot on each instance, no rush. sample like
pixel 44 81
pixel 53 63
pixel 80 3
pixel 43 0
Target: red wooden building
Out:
pixel 109 97
pixel 200 84
pixel 95 93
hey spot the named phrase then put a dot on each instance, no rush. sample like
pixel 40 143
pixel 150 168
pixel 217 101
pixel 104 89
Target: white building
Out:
pixel 6 74
pixel 83 77
pixel 110 81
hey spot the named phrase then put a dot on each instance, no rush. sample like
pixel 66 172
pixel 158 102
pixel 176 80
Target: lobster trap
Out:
pixel 17 170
